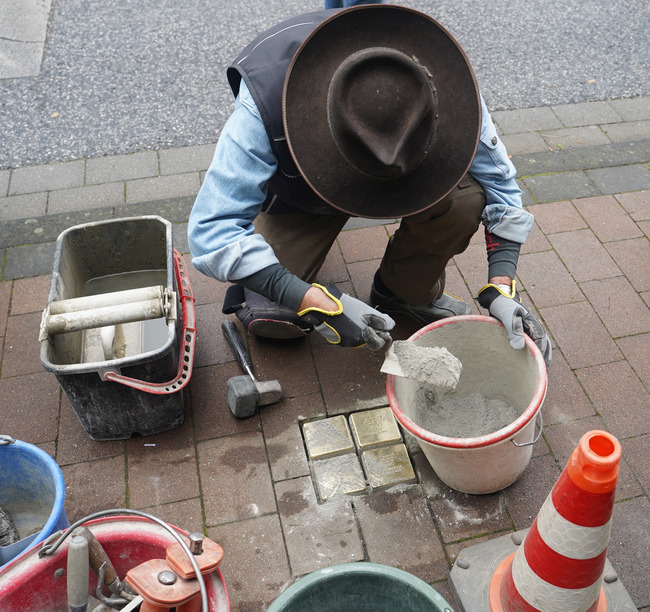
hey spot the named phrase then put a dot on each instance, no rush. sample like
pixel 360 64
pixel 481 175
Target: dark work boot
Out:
pixel 447 305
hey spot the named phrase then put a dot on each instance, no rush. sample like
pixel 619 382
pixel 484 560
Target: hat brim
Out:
pixel 304 111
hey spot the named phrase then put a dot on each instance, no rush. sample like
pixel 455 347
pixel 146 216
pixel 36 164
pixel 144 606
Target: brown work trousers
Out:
pixel 413 265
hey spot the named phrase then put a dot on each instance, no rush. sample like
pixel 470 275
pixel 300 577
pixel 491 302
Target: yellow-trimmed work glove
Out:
pixel 504 304
pixel 353 324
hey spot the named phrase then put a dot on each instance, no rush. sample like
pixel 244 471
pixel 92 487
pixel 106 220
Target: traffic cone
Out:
pixel 559 566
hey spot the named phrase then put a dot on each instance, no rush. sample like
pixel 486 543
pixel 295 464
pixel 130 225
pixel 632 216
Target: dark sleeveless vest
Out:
pixel 263 65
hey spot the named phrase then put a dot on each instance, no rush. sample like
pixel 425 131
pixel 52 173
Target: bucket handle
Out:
pixel 188 342
pixel 539 435
pixel 6 440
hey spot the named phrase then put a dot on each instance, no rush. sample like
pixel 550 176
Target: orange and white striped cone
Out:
pixel 559 566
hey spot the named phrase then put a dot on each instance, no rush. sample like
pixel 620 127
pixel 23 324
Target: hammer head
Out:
pixel 244 395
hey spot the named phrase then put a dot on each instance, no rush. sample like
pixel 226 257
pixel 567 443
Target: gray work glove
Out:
pixel 353 324
pixel 504 304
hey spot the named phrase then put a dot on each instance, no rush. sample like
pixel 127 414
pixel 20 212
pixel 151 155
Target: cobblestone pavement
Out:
pixel 584 169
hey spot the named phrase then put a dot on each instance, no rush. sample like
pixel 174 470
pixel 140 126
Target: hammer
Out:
pixel 246 393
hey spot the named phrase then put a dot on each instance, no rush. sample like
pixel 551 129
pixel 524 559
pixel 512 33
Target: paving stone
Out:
pixel 526 119
pixel 30 407
pixel 316 536
pixel 284 441
pixel 636 203
pixel 628 254
pixel 399 531
pixel 619 397
pixel 74 445
pixel 563 440
pixel 472 264
pixel 20 59
pixel 527 142
pixel 186 514
pixel 635 452
pixel 557 217
pixel 211 346
pixel 113 168
pixel 363 244
pixel 23 206
pixel 186 159
pixel 525 497
pixel 632 109
pixel 565 398
pixel 162 187
pixel 350 379
pixel 162 468
pixel 607 218
pixel 362 274
pixel 212 416
pixel 584 256
pixel 30 294
pixel 84 198
pixel 254 566
pixel 333 269
pixel 93 486
pixel 586 113
pixel 636 350
pixel 580 335
pixel 561 186
pixel 629 545
pixel 4 183
pixel 536 240
pixel 289 362
pixel 31 179
pixel 22 349
pixel 627 131
pixel 563 138
pixel 28 260
pixel 235 463
pixel 624 178
pixel 618 305
pixel 546 280
pixel 6 288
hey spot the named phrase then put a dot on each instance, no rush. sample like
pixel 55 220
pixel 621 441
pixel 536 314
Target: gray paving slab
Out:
pixel 561 186
pixel 621 179
pixel 586 113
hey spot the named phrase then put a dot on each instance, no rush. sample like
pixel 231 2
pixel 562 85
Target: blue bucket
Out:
pixel 32 492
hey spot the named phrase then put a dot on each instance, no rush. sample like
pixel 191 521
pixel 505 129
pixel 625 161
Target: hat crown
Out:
pixel 382 112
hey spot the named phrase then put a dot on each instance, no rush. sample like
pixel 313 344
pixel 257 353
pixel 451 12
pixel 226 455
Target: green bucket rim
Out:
pixel 361 567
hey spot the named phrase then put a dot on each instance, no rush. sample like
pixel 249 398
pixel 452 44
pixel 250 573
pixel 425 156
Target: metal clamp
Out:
pixel 6 440
pixel 539 435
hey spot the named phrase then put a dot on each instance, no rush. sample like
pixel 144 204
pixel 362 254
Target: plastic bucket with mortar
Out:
pixel 494 460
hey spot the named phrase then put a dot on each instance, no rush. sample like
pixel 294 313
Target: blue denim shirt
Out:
pixel 220 229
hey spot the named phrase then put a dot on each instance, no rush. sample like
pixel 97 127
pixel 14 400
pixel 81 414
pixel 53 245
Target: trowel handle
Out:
pixel 242 356
pixel 97 555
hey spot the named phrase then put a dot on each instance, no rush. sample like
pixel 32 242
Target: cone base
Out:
pixel 495 588
pixel 475 566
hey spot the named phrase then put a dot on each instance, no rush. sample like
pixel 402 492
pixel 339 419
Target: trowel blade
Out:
pixel 391 363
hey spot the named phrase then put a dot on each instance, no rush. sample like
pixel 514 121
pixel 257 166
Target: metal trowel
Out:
pixel 433 365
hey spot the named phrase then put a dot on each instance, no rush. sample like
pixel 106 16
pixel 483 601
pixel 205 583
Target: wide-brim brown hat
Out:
pixel 407 148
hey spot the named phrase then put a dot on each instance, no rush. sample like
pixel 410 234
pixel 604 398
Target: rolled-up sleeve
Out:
pixel 504 214
pixel 220 229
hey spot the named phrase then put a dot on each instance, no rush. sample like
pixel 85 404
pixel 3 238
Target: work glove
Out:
pixel 504 304
pixel 354 323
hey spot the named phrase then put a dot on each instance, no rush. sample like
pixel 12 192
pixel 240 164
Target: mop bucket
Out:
pixel 119 331
pixel 362 587
pixel 494 460
pixel 37 580
pixel 32 492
